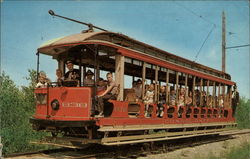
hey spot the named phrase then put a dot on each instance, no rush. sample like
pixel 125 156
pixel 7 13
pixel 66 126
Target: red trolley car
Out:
pixel 67 109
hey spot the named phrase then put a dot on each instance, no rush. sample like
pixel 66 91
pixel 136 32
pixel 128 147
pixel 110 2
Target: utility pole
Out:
pixel 223 42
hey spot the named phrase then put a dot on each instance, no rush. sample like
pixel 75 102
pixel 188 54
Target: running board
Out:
pixel 163 126
pixel 68 142
pixel 159 136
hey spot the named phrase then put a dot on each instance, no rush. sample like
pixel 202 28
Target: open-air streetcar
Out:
pixel 68 110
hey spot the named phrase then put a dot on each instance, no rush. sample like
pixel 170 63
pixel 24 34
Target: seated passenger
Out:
pixel 162 101
pixel 146 88
pixel 181 98
pixel 197 97
pixel 148 99
pixel 172 96
pixel 204 98
pixel 43 81
pixel 101 86
pixel 60 78
pixel 110 93
pixel 72 74
pixel 210 101
pixel 221 101
pixel 216 104
pixel 138 89
pixel 189 98
pixel 89 78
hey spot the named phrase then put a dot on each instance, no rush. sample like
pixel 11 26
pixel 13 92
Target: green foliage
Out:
pixel 243 113
pixel 241 152
pixel 17 106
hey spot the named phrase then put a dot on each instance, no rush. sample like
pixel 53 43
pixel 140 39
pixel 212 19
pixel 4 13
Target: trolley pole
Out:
pixel 223 42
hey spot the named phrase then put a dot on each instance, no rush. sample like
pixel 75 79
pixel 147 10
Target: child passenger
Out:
pixel 149 99
pixel 43 81
pixel 60 78
pixel 162 101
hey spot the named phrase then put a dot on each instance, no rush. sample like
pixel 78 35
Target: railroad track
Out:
pixel 132 151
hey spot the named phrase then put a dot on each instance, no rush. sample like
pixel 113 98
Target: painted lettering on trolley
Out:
pixel 74 104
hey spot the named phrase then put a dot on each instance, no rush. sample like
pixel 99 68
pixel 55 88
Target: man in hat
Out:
pixel 89 78
pixel 72 74
pixel 235 99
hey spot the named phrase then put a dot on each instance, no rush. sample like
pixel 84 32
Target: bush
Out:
pixel 243 113
pixel 16 107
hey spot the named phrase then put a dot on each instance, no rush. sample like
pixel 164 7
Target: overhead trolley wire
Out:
pixel 196 57
pixel 205 19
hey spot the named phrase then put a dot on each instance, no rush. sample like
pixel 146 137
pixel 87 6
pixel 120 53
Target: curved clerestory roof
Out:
pixel 62 44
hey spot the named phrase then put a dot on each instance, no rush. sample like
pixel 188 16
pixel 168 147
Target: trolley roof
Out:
pixel 59 45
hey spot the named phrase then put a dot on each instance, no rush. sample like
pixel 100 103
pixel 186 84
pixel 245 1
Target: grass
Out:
pixel 241 152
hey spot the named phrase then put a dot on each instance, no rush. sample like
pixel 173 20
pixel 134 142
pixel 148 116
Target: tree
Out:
pixel 16 107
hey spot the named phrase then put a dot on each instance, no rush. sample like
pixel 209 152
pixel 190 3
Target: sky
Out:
pixel 179 27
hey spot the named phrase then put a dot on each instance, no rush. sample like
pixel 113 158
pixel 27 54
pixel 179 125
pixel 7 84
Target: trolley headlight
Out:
pixel 55 104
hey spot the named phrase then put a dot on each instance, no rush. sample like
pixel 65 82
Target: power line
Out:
pixel 203 43
pixel 237 46
pixel 203 18
pixel 200 16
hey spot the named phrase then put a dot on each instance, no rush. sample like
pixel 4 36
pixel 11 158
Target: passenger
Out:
pixel 197 97
pixel 110 93
pixel 172 96
pixel 216 104
pixel 210 101
pixel 134 83
pixel 101 86
pixel 181 98
pixel 189 98
pixel 138 89
pixel 89 78
pixel 43 81
pixel 72 74
pixel 221 101
pixel 146 88
pixel 60 78
pixel 162 101
pixel 149 99
pixel 204 98
pixel 235 99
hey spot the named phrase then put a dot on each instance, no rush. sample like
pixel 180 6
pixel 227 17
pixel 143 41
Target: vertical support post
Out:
pixel 61 65
pixel 186 91
pixel 83 73
pixel 207 92
pixel 201 94
pixel 119 75
pixel 37 66
pixel 193 91
pixel 80 69
pixel 230 96
pixel 143 78
pixel 223 42
pixel 97 70
pixel 214 94
pixel 167 81
pixel 95 63
pixel 177 91
pixel 156 84
pixel 223 95
pixel 219 90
